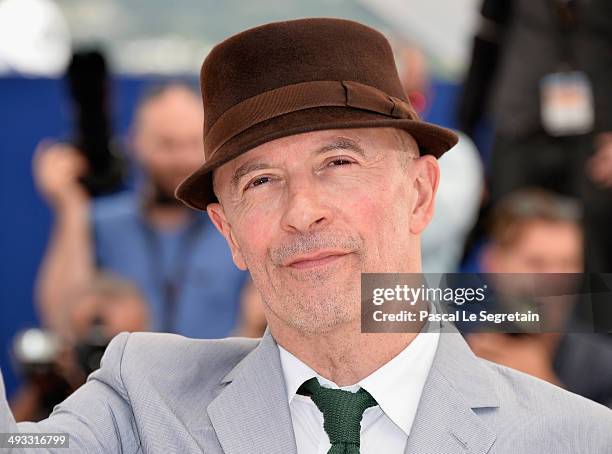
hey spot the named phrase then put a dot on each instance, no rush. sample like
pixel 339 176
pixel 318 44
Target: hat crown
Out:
pixel 285 53
pixel 296 77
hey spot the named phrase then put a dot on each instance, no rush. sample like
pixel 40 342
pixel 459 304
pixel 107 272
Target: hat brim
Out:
pixel 196 191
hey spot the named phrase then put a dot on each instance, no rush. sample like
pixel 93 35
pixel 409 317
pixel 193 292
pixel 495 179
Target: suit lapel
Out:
pixel 459 386
pixel 251 414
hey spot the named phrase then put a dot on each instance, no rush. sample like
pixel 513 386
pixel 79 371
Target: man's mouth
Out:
pixel 316 259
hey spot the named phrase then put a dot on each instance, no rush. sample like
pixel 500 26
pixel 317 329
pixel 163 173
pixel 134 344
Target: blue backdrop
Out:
pixel 30 110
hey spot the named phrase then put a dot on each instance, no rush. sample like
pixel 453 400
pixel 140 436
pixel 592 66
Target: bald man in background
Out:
pixel 175 256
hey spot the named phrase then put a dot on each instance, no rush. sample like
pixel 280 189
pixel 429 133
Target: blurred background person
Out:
pixel 462 176
pixel 252 320
pixel 174 255
pixel 54 364
pixel 534 231
pixel 543 69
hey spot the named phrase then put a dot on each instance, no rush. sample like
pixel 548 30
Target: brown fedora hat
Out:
pixel 298 76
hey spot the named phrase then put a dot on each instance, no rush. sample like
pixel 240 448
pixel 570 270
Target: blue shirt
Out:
pixel 187 276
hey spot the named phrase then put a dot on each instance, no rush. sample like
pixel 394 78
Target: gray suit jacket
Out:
pixel 162 393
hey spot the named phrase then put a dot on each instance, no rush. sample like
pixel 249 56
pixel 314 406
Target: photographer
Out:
pixel 174 256
pixel 92 316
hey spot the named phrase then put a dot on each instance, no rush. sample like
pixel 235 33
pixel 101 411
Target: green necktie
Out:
pixel 342 413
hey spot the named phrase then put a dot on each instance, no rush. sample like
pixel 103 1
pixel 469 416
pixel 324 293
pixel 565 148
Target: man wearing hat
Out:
pixel 317 169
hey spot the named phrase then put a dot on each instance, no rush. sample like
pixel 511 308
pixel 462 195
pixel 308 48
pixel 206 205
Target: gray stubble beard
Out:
pixel 313 313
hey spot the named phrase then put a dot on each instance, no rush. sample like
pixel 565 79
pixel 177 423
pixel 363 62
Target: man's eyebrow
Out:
pixel 245 169
pixel 342 143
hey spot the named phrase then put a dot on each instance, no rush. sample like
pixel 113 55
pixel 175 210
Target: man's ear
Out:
pixel 427 177
pixel 217 216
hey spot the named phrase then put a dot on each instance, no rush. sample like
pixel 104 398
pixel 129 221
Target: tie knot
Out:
pixel 342 410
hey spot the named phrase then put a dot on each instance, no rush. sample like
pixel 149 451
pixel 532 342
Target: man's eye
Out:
pixel 258 182
pixel 339 162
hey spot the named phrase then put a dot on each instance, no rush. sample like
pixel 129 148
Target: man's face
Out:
pixel 541 247
pixel 168 137
pixel 306 214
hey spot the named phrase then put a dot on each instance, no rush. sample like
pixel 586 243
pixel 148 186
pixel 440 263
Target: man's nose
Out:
pixel 306 208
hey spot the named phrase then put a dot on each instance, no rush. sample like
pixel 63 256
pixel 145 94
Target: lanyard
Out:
pixel 171 284
pixel 565 13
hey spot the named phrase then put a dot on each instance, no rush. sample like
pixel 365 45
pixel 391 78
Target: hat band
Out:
pixel 295 97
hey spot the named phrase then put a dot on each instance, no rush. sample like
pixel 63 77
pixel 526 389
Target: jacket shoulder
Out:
pixel 177 361
pixel 550 409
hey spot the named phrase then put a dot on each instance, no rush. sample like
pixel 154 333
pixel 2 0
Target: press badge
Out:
pixel 566 101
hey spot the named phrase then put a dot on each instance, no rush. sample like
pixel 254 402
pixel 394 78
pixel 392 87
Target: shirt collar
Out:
pixel 396 386
pixel 295 372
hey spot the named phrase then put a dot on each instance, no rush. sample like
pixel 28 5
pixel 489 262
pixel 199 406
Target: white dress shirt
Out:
pixel 396 386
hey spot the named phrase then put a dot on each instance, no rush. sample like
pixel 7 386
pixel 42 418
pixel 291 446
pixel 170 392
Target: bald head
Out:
pixel 167 135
